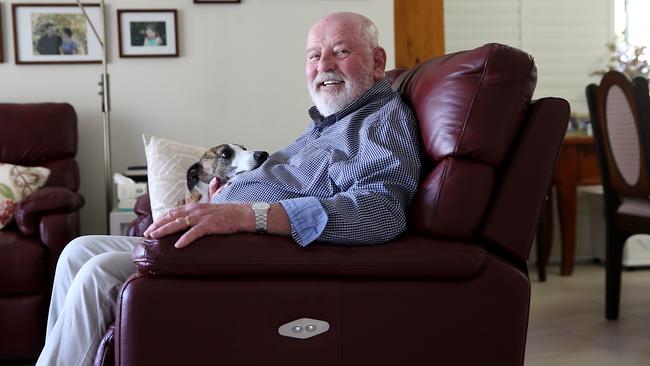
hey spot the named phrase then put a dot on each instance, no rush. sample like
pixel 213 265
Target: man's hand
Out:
pixel 202 219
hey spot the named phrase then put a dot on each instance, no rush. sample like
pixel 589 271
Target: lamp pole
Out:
pixel 106 109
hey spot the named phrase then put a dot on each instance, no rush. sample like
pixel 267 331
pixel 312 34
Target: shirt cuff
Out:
pixel 308 218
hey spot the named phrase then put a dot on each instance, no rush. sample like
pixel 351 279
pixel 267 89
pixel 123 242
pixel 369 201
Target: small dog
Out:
pixel 223 162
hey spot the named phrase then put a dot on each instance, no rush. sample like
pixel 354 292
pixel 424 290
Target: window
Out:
pixel 632 34
pixel 631 21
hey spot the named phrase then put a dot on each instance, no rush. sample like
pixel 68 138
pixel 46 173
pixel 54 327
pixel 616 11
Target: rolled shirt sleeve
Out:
pixel 307 217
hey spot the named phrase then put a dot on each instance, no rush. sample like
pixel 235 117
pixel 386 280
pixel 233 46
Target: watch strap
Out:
pixel 261 217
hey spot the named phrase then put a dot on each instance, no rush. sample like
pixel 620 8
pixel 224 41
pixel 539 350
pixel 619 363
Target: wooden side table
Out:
pixel 577 165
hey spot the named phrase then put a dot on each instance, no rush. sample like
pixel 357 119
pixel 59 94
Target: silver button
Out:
pixel 303 328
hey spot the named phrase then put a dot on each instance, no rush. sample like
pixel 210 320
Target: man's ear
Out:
pixel 379 58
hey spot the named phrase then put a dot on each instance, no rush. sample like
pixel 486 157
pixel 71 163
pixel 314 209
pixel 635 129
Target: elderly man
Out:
pixel 347 179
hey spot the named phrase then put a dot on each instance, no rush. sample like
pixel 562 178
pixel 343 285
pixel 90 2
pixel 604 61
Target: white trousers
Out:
pixel 89 274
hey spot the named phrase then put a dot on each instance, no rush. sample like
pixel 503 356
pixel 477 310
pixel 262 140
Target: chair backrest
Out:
pixel 41 134
pixel 615 107
pixel 473 109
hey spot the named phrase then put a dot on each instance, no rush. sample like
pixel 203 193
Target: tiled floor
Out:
pixel 568 326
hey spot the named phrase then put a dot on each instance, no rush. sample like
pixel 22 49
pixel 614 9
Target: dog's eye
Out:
pixel 226 154
pixel 243 147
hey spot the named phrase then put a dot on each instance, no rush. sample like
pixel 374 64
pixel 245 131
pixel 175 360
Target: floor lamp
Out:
pixel 106 110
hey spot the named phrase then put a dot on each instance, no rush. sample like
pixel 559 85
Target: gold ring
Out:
pixel 187 221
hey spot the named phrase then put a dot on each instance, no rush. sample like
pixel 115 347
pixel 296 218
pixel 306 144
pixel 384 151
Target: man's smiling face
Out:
pixel 340 65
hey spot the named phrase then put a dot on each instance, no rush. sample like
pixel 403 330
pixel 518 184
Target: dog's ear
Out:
pixel 193 176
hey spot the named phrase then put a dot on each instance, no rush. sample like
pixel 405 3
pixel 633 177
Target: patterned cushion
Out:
pixel 167 164
pixel 16 183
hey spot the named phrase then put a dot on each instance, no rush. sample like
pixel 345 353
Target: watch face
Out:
pixel 260 206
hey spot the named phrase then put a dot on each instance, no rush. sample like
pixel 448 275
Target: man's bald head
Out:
pixel 363 27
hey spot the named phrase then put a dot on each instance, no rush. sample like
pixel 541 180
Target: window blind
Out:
pixel 566 38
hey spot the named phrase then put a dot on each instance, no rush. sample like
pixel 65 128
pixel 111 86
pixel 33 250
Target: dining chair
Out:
pixel 620 115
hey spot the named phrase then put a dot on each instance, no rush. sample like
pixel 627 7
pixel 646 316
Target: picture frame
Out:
pixel 217 1
pixel 2 47
pixel 56 34
pixel 148 32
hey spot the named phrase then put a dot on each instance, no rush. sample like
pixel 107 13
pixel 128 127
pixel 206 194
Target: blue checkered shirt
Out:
pixel 348 178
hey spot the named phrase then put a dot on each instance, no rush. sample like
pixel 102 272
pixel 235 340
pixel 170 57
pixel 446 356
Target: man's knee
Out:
pixel 76 252
pixel 106 268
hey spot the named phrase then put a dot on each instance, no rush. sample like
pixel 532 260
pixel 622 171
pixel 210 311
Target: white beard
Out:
pixel 329 102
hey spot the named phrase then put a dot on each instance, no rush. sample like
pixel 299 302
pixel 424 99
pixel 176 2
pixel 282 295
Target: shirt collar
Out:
pixel 381 88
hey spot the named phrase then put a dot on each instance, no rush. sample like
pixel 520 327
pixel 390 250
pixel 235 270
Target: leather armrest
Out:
pixel 143 219
pixel 43 201
pixel 253 255
pixel 106 353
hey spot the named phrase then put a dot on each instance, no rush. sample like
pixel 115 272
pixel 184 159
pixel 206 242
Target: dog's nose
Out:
pixel 260 156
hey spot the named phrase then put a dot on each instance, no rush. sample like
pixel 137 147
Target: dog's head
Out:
pixel 224 162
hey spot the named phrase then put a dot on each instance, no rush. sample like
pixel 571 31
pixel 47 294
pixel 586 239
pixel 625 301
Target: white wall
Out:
pixel 566 38
pixel 239 78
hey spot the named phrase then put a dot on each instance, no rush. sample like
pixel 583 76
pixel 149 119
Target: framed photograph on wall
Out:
pixel 2 58
pixel 148 33
pixel 56 34
pixel 216 1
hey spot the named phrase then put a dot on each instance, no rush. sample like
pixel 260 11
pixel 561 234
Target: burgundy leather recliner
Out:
pixel 43 134
pixel 453 290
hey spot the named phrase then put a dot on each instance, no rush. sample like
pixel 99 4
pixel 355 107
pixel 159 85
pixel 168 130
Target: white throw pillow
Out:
pixel 16 183
pixel 167 165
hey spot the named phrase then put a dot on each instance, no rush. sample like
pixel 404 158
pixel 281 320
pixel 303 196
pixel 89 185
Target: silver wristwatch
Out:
pixel 261 210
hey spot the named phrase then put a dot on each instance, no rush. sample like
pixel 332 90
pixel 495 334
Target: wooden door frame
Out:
pixel 419 31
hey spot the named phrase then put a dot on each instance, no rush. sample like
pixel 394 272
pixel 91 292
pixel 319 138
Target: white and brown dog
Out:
pixel 222 162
